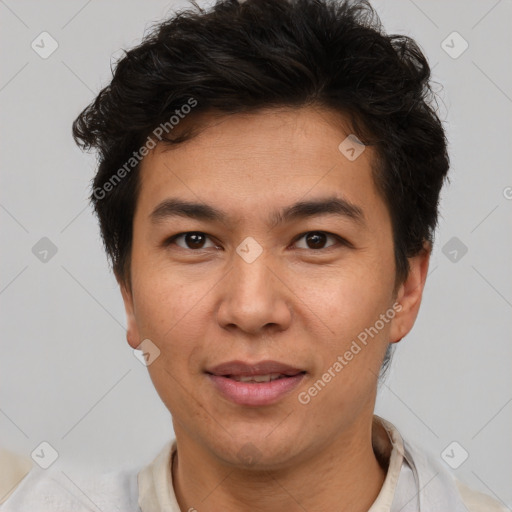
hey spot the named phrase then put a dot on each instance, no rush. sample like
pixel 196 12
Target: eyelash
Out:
pixel 341 241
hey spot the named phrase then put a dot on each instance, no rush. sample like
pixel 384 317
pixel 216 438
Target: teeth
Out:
pixel 257 378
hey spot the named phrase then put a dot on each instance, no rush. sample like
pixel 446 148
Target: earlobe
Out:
pixel 132 330
pixel 409 295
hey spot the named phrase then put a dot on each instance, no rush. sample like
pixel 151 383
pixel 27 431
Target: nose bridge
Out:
pixel 250 277
pixel 254 298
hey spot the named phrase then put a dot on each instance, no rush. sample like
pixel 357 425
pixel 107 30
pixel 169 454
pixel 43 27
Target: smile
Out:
pixel 254 384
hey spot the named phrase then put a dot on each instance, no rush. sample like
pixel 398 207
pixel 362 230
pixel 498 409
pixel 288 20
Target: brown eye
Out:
pixel 316 240
pixel 195 240
pixel 191 240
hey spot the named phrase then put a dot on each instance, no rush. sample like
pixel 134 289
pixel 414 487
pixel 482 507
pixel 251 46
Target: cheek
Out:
pixel 352 337
pixel 345 300
pixel 163 294
pixel 166 311
pixel 170 314
pixel 350 355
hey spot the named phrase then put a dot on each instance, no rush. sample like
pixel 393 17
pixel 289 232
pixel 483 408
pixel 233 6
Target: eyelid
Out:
pixel 170 240
pixel 338 238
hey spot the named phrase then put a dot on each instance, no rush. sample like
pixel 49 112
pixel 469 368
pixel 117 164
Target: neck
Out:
pixel 344 476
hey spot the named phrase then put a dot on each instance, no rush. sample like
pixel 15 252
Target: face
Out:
pixel 286 257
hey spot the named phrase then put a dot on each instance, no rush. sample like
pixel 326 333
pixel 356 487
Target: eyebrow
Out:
pixel 173 207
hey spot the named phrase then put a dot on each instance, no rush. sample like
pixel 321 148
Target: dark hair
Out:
pixel 254 54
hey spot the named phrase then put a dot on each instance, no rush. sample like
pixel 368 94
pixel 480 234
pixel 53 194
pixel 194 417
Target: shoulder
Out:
pixel 74 491
pixel 444 483
pixel 478 502
pixel 431 483
pixel 13 469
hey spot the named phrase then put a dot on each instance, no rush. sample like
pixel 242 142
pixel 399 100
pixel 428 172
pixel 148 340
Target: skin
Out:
pixel 295 303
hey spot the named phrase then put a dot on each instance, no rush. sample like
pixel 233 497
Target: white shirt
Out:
pixel 413 483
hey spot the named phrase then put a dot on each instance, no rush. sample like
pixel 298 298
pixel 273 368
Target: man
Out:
pixel 268 181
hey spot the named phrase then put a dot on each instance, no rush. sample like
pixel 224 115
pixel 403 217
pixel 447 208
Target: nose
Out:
pixel 255 298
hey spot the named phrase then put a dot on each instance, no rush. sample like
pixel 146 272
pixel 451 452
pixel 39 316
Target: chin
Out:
pixel 260 452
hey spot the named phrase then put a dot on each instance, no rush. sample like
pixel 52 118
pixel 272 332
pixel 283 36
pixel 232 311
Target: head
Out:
pixel 303 126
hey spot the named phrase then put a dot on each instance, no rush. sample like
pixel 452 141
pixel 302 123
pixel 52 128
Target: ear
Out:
pixel 409 295
pixel 132 331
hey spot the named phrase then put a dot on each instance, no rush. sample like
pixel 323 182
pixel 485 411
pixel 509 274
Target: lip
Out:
pixel 241 368
pixel 254 393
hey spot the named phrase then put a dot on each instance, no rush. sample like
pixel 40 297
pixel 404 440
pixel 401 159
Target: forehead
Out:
pixel 248 162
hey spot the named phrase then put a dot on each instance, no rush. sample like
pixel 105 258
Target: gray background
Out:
pixel 68 376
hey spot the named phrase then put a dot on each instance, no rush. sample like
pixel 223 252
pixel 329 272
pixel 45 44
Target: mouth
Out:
pixel 269 377
pixel 258 384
